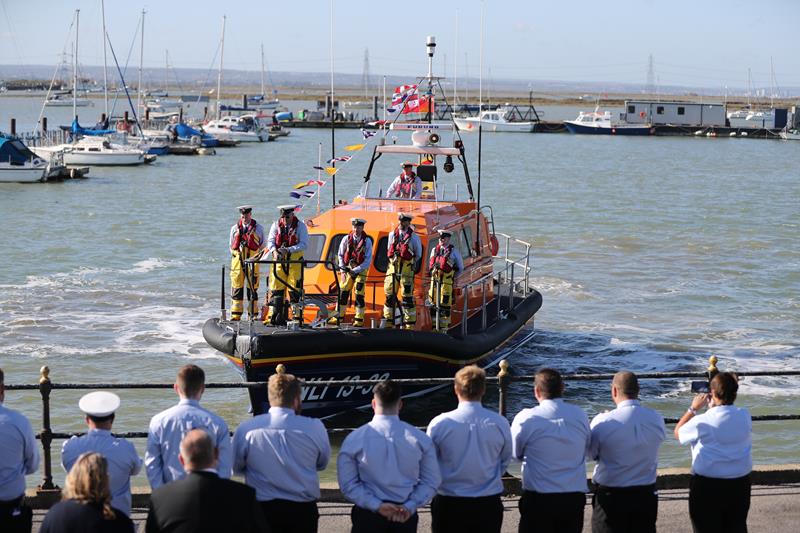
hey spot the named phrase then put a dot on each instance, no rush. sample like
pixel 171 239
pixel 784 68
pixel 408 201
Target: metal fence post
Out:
pixel 47 435
pixel 503 380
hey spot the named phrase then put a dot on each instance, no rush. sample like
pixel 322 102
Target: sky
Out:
pixel 707 43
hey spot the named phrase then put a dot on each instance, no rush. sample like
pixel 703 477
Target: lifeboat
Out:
pixel 493 303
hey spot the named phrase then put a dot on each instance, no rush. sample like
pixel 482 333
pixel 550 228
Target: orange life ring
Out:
pixel 495 246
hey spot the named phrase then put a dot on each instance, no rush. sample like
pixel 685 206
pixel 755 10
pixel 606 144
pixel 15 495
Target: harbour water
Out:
pixel 651 254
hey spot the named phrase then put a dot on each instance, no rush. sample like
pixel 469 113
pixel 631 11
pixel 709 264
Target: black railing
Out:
pixel 502 381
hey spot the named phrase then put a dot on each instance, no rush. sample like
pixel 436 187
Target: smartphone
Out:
pixel 700 387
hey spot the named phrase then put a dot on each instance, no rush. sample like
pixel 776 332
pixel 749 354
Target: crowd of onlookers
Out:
pixel 387 468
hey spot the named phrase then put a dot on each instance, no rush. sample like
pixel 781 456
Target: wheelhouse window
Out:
pixel 660 110
pixel 381 261
pixel 681 110
pixel 631 109
pixel 464 242
pixel 316 242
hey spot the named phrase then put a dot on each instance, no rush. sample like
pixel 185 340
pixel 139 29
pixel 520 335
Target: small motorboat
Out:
pixel 601 123
pixel 96 151
pixel 492 121
pixel 246 128
pixel 18 164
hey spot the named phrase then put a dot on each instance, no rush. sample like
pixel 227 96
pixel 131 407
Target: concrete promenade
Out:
pixel 774 508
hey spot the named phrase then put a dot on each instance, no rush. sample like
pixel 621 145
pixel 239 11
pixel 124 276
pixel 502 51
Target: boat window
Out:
pixel 660 110
pixel 681 110
pixel 381 261
pixel 333 251
pixel 314 250
pixel 465 238
pixel 631 109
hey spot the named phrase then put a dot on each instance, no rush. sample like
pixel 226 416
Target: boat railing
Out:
pixel 517 269
pixel 503 381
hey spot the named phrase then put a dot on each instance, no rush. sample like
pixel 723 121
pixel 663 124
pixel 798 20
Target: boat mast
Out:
pixel 105 59
pixel 141 64
pixel 262 71
pixel 166 71
pixel 455 69
pixel 219 76
pixel 75 65
pixel 480 110
pixel 333 116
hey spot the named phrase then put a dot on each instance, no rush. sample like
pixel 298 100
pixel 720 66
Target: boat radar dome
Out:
pixel 358 221
pixel 99 404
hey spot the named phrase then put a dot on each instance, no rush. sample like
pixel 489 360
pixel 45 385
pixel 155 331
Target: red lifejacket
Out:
pixel 247 234
pixel 356 250
pixel 406 188
pixel 402 244
pixel 287 235
pixel 441 255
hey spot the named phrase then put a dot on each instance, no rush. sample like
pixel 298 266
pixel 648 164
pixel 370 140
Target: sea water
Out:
pixel 651 254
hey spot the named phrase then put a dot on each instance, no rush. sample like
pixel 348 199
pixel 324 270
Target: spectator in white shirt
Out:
pixel 625 444
pixel 719 490
pixel 551 440
pixel 473 445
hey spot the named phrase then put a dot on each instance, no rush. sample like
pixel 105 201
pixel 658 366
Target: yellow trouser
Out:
pixel 286 278
pixel 441 295
pixel 359 282
pixel 238 284
pixel 400 276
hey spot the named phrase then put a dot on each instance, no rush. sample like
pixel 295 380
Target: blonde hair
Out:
pixel 470 382
pixel 282 389
pixel 88 482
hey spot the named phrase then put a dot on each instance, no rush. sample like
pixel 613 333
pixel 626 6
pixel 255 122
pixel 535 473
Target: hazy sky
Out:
pixel 693 42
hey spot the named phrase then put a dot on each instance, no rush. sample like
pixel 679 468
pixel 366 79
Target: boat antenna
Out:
pixel 333 116
pixel 480 110
pixel 219 75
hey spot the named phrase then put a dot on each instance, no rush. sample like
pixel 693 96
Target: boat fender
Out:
pixel 195 140
pixel 495 246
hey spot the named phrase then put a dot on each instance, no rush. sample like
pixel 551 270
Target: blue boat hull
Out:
pixel 636 130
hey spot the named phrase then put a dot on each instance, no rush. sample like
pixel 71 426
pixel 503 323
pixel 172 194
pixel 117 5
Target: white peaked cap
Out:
pixel 99 403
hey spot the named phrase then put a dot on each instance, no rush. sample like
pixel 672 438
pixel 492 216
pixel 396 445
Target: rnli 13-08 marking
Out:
pixel 312 392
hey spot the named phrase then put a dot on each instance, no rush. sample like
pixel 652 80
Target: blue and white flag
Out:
pixel 302 194
pixel 367 134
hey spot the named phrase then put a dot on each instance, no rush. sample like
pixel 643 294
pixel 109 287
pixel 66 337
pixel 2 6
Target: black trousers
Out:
pixel 15 516
pixel 365 521
pixel 719 505
pixel 559 512
pixel 452 514
pixel 285 516
pixel 624 509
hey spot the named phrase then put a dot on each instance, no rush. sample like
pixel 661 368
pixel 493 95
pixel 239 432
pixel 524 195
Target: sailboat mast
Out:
pixel 219 76
pixel 141 65
pixel 166 71
pixel 262 70
pixel 75 65
pixel 105 59
pixel 455 68
pixel 333 116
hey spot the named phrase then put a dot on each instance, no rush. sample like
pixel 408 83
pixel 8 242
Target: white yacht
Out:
pixel 246 128
pixel 492 121
pixel 94 151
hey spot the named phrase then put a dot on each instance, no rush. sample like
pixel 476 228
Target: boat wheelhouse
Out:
pixel 602 123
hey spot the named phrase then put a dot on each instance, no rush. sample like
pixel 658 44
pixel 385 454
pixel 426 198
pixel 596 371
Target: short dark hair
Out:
pixel 724 386
pixel 387 393
pixel 191 380
pixel 101 419
pixel 2 377
pixel 627 383
pixel 549 383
